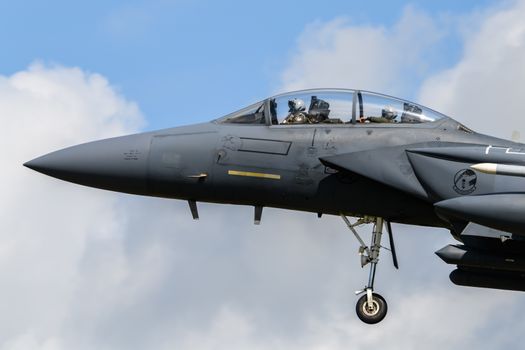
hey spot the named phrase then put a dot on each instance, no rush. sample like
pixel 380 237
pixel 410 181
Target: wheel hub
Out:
pixel 371 309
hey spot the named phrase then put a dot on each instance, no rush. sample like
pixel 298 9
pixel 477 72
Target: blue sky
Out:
pixel 186 61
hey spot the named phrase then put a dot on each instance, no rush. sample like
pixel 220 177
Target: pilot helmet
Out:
pixel 389 113
pixel 296 105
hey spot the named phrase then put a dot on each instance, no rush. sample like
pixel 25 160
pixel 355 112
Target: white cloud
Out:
pixel 339 54
pixel 44 226
pixel 485 88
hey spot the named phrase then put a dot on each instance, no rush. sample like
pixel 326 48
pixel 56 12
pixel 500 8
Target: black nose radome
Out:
pixel 117 164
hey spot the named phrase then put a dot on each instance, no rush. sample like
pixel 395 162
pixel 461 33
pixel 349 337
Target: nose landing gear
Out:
pixel 371 307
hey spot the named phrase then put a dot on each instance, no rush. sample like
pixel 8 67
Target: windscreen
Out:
pixel 253 114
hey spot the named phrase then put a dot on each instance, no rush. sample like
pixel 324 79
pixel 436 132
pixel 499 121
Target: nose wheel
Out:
pixel 371 311
pixel 371 307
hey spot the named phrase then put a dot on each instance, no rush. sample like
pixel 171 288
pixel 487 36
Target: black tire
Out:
pixel 371 315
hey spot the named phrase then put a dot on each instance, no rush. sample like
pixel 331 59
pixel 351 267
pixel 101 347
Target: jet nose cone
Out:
pixel 51 164
pixel 117 164
pixel 34 164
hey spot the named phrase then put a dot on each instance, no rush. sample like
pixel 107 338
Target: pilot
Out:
pixel 296 112
pixel 388 115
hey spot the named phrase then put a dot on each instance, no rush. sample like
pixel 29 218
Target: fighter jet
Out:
pixel 367 157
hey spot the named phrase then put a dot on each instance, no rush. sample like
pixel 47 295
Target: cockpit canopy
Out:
pixel 332 106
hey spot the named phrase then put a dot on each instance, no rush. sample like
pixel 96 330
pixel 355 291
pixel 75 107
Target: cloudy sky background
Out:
pixel 88 269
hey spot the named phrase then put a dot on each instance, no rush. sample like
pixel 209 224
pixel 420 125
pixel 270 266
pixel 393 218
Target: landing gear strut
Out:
pixel 371 307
